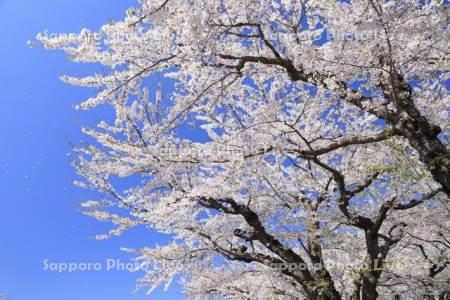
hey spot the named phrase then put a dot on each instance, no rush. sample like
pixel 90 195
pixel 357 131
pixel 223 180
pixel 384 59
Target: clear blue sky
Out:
pixel 38 216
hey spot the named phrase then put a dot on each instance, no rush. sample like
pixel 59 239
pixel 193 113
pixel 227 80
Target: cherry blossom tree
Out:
pixel 325 169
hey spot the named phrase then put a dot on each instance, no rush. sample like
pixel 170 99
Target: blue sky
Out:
pixel 38 217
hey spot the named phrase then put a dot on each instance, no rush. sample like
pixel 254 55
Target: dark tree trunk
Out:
pixel 369 287
pixel 372 274
pixel 422 136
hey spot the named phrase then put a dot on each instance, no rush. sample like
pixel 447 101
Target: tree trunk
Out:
pixel 372 274
pixel 422 136
pixel 369 287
